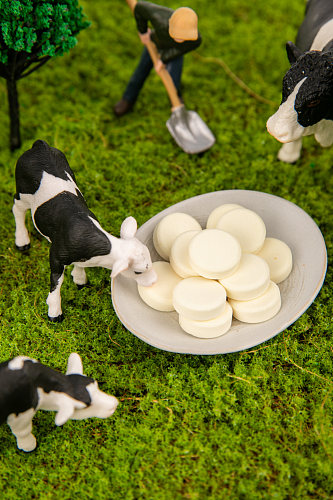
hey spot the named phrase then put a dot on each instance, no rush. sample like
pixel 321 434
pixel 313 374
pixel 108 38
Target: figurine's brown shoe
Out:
pixel 122 107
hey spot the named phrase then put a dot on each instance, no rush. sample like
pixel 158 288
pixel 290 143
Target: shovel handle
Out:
pixel 131 4
pixel 163 74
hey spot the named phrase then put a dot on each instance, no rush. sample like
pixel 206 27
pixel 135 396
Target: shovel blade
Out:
pixel 189 131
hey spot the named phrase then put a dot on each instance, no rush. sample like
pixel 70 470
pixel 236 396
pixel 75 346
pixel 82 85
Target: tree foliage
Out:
pixel 32 31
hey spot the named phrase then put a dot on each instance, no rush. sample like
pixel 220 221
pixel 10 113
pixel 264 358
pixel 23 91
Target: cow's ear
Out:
pixel 74 364
pixel 118 267
pixel 65 412
pixel 128 228
pixel 293 52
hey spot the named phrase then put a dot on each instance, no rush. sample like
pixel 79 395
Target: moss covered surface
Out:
pixel 247 425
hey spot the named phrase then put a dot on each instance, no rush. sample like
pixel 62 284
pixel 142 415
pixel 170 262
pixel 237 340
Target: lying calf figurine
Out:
pixel 307 95
pixel 27 386
pixel 46 185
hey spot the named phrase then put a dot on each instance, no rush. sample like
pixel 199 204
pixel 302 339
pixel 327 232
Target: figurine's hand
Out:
pixel 159 66
pixel 145 37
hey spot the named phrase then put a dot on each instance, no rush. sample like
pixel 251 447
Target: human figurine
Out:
pixel 27 386
pixel 46 185
pixel 307 93
pixel 174 32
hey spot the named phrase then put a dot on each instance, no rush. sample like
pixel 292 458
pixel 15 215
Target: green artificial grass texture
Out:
pixel 247 425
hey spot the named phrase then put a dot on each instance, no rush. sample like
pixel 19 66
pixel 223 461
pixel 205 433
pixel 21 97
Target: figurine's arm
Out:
pixel 181 48
pixel 145 37
pixel 142 14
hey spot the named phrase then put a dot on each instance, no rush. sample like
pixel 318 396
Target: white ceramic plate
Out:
pixel 284 220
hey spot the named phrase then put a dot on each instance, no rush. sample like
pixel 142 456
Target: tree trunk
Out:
pixel 14 116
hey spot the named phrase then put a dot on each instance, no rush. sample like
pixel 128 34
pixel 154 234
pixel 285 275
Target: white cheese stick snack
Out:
pixel 245 225
pixel 179 258
pixel 259 309
pixel 199 299
pixel 159 295
pixel 211 328
pixel 279 258
pixel 250 280
pixel 169 228
pixel 214 254
pixel 217 213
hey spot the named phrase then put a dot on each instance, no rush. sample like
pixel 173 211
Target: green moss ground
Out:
pixel 248 425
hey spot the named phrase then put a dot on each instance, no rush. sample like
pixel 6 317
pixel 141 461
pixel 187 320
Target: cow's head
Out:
pixel 307 94
pixel 84 399
pixel 135 261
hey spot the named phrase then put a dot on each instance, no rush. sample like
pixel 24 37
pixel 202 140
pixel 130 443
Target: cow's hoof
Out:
pixel 23 248
pixel 56 319
pixel 288 157
pixel 27 444
pixel 291 162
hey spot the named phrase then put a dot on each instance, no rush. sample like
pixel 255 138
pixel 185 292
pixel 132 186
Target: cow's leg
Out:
pixel 79 276
pixel 54 297
pixel 324 133
pixel 21 427
pixel 22 240
pixel 291 151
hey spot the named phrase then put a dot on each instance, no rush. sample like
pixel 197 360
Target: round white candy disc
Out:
pixel 214 254
pixel 217 213
pixel 169 228
pixel 259 309
pixel 179 258
pixel 210 328
pixel 198 298
pixel 159 295
pixel 250 279
pixel 245 225
pixel 279 258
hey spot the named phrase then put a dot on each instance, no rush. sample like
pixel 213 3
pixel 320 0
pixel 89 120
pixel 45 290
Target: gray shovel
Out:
pixel 186 127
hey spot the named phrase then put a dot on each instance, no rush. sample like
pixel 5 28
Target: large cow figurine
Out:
pixel 307 94
pixel 27 386
pixel 46 185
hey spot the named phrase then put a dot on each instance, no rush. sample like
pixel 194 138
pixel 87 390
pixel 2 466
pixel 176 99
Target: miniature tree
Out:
pixel 31 32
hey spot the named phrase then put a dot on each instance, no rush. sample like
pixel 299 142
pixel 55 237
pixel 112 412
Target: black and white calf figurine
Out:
pixel 307 94
pixel 27 386
pixel 46 185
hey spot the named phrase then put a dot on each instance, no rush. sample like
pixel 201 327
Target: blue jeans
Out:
pixel 142 71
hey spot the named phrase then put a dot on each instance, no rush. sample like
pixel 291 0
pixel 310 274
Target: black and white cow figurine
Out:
pixel 27 386
pixel 46 185
pixel 307 94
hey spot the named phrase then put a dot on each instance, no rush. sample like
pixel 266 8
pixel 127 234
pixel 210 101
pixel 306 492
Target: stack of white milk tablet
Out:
pixel 229 269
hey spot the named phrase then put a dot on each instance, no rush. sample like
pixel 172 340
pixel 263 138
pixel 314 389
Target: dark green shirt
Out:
pixel 159 16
